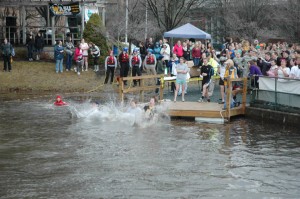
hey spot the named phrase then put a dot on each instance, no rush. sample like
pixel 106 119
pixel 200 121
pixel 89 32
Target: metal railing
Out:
pixel 280 94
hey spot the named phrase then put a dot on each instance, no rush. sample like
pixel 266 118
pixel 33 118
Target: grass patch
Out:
pixel 41 76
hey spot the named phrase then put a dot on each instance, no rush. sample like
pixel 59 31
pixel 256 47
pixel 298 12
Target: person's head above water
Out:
pixel 58 98
pixel 59 101
pixel 152 102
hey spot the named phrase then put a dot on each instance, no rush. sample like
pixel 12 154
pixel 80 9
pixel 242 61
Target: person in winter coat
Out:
pixel 30 47
pixel 6 50
pixel 110 66
pixel 178 49
pixel 39 45
pixel 165 52
pixel 156 50
pixel 78 59
pixel 95 52
pixel 59 56
pixel 70 52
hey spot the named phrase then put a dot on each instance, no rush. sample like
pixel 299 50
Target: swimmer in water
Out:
pixel 59 101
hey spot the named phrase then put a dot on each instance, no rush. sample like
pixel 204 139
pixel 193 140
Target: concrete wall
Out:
pixel 272 116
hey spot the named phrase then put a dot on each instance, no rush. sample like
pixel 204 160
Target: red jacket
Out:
pixel 178 50
pixel 196 53
pixel 59 102
pixel 78 54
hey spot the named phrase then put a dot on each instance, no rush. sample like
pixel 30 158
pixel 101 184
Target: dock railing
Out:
pixel 142 87
pixel 236 110
pixel 279 94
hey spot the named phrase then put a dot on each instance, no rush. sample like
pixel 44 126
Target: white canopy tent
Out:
pixel 187 31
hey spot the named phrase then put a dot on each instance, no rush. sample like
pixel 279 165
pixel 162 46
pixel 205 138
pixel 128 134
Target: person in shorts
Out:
pixel 181 70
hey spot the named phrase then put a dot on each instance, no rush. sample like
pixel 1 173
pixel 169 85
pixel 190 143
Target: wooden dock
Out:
pixel 192 109
pixel 203 109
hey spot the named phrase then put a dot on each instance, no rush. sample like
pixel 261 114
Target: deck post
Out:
pixel 142 91
pixel 121 88
pixel 244 98
pixel 161 89
pixel 228 97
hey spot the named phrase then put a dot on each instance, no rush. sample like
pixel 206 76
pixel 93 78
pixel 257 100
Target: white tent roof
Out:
pixel 187 31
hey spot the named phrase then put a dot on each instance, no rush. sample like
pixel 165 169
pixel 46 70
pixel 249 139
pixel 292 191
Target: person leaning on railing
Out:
pixel 295 71
pixel 255 71
pixel 283 71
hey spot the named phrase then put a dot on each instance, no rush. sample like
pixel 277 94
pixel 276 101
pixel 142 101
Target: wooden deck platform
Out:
pixel 203 109
pixel 192 109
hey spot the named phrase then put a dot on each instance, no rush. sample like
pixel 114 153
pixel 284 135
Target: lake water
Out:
pixel 82 152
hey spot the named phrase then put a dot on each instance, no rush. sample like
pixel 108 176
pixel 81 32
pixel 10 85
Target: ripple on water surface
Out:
pixel 83 151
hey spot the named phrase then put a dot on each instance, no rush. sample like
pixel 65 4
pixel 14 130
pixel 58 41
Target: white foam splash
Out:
pixel 111 112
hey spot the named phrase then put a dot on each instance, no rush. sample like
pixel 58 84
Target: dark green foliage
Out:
pixel 94 32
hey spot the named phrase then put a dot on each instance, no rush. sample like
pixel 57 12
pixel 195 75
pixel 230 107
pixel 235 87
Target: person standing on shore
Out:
pixel 39 45
pixel 85 54
pixel 59 56
pixel 78 58
pixel 6 49
pixel 95 52
pixel 30 46
pixel 110 66
pixel 70 51
pixel 135 62
pixel 124 63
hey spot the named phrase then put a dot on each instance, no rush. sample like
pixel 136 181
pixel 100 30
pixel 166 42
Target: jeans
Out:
pixel 59 65
pixel 30 52
pixel 69 62
pixel 7 64
pixel 196 61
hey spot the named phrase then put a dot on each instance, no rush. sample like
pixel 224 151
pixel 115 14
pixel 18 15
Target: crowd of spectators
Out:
pixel 280 59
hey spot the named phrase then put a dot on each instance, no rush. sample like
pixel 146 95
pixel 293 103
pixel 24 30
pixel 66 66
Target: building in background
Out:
pixel 54 19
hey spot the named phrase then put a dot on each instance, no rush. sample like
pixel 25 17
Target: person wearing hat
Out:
pixel 110 66
pixel 150 62
pixel 156 50
pixel 124 63
pixel 135 63
pixel 165 52
pixel 59 101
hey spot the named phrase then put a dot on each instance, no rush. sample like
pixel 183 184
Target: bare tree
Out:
pixel 288 19
pixel 136 21
pixel 246 19
pixel 170 13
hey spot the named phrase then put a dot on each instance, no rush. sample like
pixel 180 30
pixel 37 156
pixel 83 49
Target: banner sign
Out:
pixel 64 10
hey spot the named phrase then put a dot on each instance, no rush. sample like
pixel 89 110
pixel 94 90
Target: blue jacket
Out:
pixel 156 51
pixel 57 54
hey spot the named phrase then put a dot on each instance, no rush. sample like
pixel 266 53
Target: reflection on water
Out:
pixel 86 152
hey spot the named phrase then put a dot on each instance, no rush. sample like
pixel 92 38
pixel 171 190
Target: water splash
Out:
pixel 121 113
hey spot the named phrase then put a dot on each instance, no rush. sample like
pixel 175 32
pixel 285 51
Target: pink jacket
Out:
pixel 178 50
pixel 78 54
